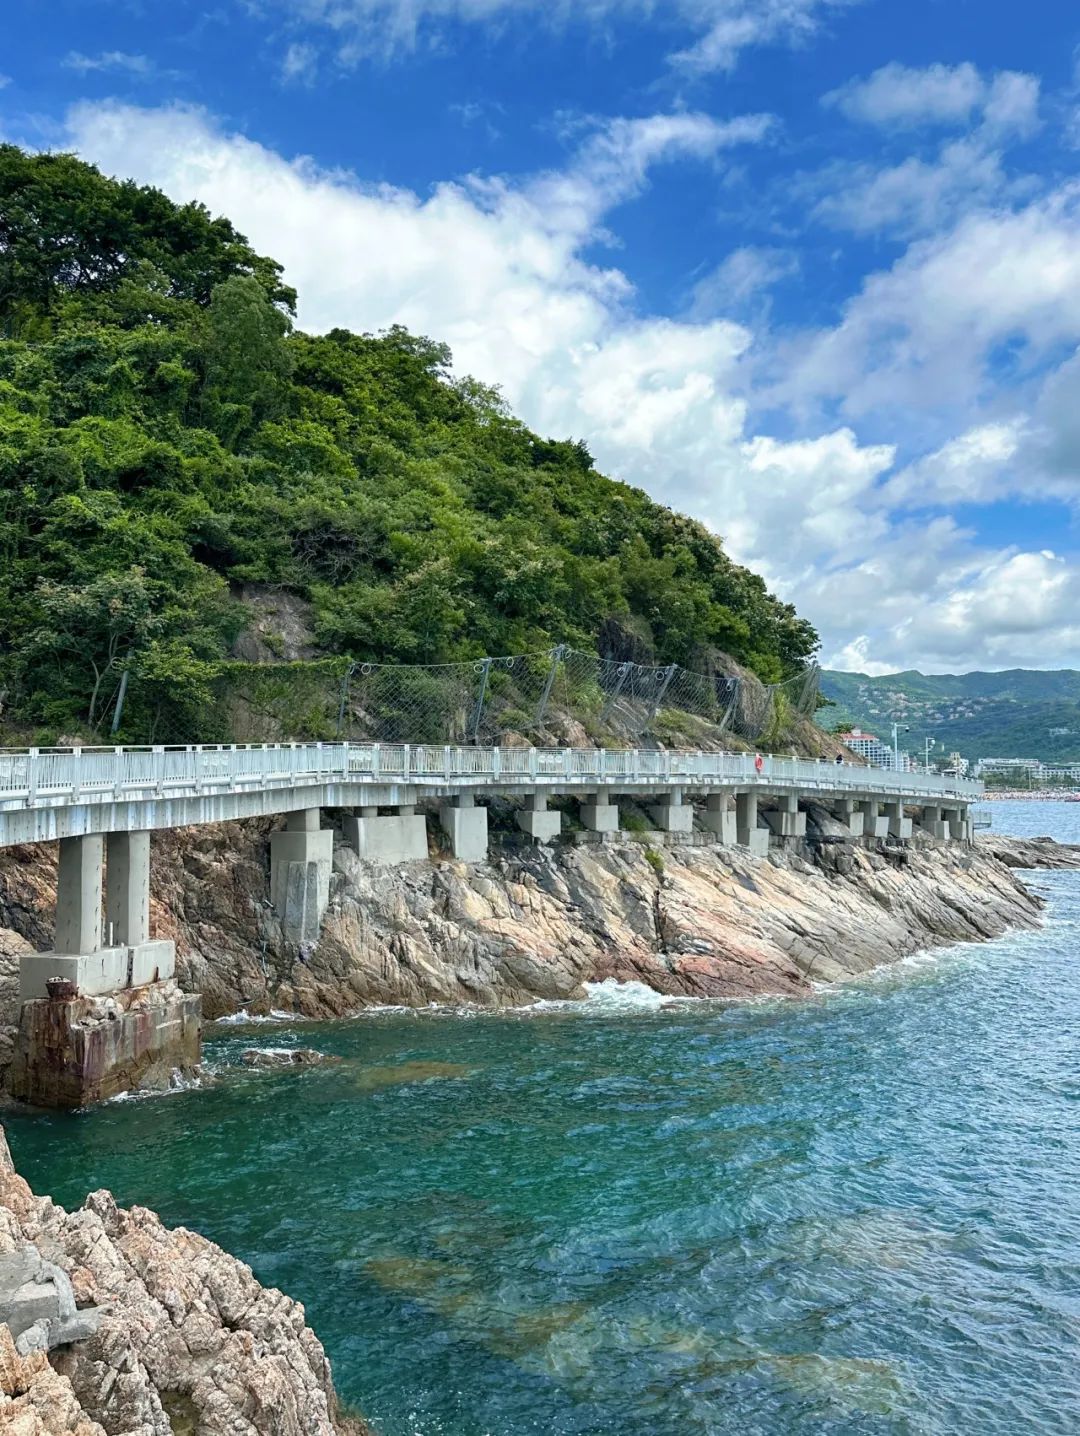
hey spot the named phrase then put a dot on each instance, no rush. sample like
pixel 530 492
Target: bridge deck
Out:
pixel 49 793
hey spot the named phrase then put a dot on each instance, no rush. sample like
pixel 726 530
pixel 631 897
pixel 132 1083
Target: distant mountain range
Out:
pixel 1021 713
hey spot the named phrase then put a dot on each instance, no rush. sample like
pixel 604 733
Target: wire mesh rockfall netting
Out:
pixel 558 695
pixel 555 694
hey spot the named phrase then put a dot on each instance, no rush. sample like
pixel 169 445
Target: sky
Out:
pixel 808 270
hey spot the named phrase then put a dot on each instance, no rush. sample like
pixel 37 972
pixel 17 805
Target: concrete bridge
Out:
pixel 103 804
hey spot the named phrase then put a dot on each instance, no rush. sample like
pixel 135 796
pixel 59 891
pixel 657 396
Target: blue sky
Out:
pixel 807 269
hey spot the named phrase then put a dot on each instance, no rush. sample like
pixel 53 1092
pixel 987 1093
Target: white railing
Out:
pixel 48 777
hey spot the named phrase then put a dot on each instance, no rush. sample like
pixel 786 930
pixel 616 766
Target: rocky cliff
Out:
pixel 172 1334
pixel 539 923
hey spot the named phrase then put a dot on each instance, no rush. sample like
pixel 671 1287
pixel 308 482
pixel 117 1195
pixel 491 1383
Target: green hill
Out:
pixel 1019 713
pixel 169 442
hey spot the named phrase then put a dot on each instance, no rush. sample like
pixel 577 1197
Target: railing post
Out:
pixel 532 764
pixel 496 762
pixel 118 771
pixel 76 774
pixel 32 777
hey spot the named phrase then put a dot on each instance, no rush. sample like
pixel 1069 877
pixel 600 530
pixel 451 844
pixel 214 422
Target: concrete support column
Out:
pixel 719 817
pixel 301 860
pixel 127 889
pixel 899 826
pixel 78 895
pixel 875 825
pixel 127 910
pixel 848 812
pixel 932 821
pixel 537 821
pixel 673 815
pixel 467 827
pixel 959 824
pixel 600 815
pixel 784 819
pixel 746 824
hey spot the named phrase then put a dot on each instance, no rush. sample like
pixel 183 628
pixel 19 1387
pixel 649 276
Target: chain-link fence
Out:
pixel 552 697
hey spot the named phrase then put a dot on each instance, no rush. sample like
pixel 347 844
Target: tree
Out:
pixel 102 624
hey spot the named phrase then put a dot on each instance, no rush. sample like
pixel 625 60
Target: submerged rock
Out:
pixel 286 1057
pixel 183 1337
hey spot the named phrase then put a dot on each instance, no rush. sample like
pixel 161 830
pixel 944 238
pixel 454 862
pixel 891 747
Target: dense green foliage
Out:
pixel 1021 713
pixel 166 438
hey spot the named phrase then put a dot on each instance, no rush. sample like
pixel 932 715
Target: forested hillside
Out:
pixel 167 437
pixel 1020 713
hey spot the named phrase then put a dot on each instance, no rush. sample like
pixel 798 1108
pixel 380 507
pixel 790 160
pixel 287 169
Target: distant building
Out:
pixel 876 753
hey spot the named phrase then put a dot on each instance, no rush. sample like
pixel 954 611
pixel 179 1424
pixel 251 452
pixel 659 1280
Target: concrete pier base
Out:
pixel 540 824
pixel 673 815
pixel 847 812
pixel 719 817
pixel 932 822
pixel 467 828
pixel 899 825
pixel 387 840
pixel 875 823
pixel 785 820
pixel 746 824
pixel 301 861
pixel 76 1052
pixel 961 829
pixel 600 815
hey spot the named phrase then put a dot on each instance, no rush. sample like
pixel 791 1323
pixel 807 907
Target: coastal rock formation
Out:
pixel 541 922
pixel 1031 852
pixel 186 1339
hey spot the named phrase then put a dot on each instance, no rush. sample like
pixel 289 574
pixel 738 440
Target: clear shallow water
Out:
pixel 857 1214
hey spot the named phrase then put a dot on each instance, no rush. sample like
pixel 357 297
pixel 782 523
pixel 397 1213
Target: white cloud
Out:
pixel 496 268
pixel 5 80
pixel 721 29
pixel 300 64
pixel 899 96
pixel 973 468
pixel 921 194
pixel 116 61
pixel 924 334
pixel 742 276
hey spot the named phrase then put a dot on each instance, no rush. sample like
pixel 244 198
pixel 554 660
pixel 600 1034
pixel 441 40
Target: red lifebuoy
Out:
pixel 759 762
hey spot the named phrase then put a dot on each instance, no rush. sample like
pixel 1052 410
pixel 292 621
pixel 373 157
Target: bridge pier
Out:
pixel 387 839
pixel 673 815
pixel 850 814
pixel 122 1022
pixel 932 821
pixel 719 817
pixel 959 824
pixel 466 825
pixel 600 815
pixel 784 819
pixel 301 861
pixel 875 823
pixel 535 819
pixel 748 833
pixel 899 825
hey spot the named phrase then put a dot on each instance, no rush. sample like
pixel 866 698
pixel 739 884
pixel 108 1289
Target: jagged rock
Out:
pixel 182 1326
pixel 1031 852
pixel 541 922
pixel 286 1057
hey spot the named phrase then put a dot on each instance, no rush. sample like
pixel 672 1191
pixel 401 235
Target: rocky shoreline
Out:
pixel 166 1332
pixel 539 923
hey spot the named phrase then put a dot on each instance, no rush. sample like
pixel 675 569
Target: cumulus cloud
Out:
pixel 925 334
pixel 720 29
pixel 898 95
pixel 497 268
pixel 923 193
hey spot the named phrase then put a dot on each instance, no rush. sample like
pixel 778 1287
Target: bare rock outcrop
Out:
pixel 541 922
pixel 184 1333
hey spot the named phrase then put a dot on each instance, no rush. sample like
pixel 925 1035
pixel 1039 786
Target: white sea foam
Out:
pixel 177 1083
pixel 243 1018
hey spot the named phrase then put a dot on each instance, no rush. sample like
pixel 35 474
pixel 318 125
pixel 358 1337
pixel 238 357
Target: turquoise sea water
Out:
pixel 854 1214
